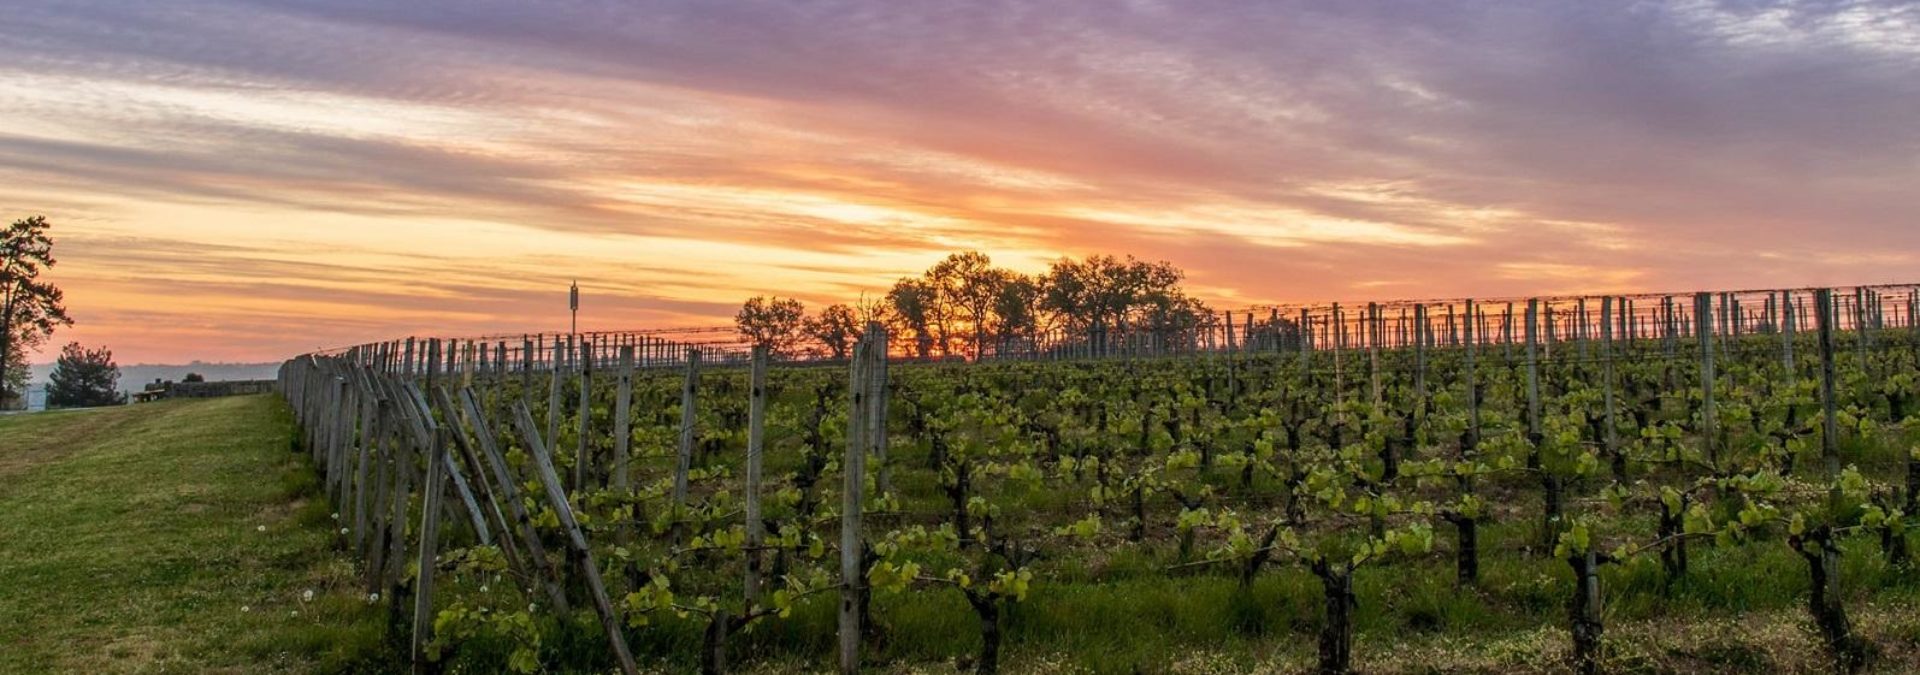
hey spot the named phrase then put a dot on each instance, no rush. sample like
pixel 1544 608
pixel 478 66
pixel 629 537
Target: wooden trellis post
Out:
pixel 1533 375
pixel 1606 356
pixel 623 433
pixel 435 489
pixel 553 391
pixel 1473 386
pixel 557 500
pixel 756 449
pixel 1373 349
pixel 1786 331
pixel 1830 430
pixel 484 436
pixel 683 461
pixel 877 403
pixel 1703 313
pixel 853 483
pixel 583 452
pixel 1420 351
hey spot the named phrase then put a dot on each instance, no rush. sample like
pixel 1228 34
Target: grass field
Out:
pixel 173 537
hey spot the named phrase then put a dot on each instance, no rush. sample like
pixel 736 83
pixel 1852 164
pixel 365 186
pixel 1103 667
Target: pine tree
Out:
pixel 84 378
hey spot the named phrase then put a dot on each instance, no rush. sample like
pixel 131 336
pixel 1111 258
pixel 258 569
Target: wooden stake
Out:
pixel 683 462
pixel 756 449
pixel 557 500
pixel 1703 313
pixel 853 480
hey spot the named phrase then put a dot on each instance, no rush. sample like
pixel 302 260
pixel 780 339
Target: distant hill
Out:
pixel 134 377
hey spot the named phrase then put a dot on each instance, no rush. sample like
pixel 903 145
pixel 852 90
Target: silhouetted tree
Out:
pixel 963 303
pixel 775 323
pixel 914 303
pixel 1016 311
pixel 1104 295
pixel 84 378
pixel 193 377
pixel 30 308
pixel 970 284
pixel 836 328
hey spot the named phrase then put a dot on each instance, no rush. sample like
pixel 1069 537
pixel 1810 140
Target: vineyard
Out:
pixel 629 501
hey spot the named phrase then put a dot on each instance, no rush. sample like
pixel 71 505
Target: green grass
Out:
pixel 131 541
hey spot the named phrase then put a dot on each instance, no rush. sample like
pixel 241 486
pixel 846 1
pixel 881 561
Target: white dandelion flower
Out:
pixel 307 596
pixel 336 515
pixel 262 528
pixel 246 608
pixel 343 530
pixel 373 597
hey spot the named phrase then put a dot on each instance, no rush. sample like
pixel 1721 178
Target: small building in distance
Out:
pixel 163 389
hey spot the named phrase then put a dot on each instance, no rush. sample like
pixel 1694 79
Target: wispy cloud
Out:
pixel 245 179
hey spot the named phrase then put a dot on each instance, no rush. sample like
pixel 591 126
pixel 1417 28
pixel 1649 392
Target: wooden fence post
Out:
pixel 435 490
pixel 557 499
pixel 484 435
pixel 1606 357
pixel 583 452
pixel 683 461
pixel 1786 332
pixel 1830 431
pixel 1533 378
pixel 756 449
pixel 623 434
pixel 853 480
pixel 877 404
pixel 1473 380
pixel 555 375
pixel 1372 336
pixel 1420 352
pixel 1703 313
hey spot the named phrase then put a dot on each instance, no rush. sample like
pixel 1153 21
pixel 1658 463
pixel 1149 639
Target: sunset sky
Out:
pixel 247 180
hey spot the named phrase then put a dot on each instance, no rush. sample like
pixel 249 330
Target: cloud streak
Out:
pixel 274 175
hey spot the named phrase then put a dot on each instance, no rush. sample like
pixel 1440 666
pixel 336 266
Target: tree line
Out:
pixel 965 307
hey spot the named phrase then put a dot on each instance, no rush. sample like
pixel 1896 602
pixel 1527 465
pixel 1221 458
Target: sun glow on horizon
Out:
pixel 229 182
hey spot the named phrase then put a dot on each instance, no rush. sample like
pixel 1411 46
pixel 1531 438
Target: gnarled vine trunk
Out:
pixel 1585 611
pixel 1336 632
pixel 987 609
pixel 1466 558
pixel 1850 653
pixel 1673 555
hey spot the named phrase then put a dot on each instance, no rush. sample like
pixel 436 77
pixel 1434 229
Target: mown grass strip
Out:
pixel 171 537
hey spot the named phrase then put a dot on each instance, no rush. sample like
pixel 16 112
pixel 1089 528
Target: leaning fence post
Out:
pixel 553 391
pixel 434 489
pixel 557 499
pixel 484 435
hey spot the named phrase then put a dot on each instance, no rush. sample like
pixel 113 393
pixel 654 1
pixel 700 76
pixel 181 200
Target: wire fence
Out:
pixel 1674 320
